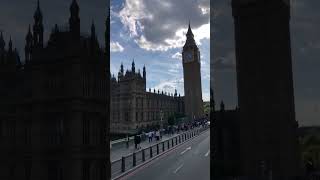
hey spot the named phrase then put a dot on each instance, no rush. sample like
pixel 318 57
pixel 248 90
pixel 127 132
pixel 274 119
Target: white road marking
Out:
pixel 207 153
pixel 178 169
pixel 189 148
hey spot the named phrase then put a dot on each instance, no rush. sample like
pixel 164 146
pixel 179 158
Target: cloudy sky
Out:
pixel 305 29
pixel 16 15
pixel 152 32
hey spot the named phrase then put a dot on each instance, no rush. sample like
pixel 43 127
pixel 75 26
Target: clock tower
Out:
pixel 268 130
pixel 192 77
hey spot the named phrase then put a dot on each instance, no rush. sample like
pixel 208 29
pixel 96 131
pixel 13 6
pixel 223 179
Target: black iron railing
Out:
pixel 134 159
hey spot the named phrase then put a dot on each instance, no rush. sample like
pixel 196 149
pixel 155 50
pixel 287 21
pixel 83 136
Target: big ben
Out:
pixel 192 77
pixel 268 128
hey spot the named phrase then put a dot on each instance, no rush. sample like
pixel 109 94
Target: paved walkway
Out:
pixel 120 150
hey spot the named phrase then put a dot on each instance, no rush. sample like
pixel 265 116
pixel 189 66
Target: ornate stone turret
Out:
pixel 2 42
pixel 74 20
pixel 2 46
pixel 121 72
pixel 93 32
pixel 121 68
pixel 38 28
pixel 10 46
pixel 107 33
pixel 29 45
pixel 221 106
pixel 93 39
pixel 133 68
pixel 56 28
pixel 144 72
pixel 16 57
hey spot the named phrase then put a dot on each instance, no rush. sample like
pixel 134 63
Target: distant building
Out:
pixel 53 115
pixel 134 108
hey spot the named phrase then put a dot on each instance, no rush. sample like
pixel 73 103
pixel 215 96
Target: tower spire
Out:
pixel 190 37
pixel 28 45
pixel 10 45
pixel 74 20
pixel 38 13
pixel 29 33
pixel 189 33
pixel 93 30
pixel 2 42
pixel 144 72
pixel 133 68
pixel 121 68
pixel 38 27
pixel 107 33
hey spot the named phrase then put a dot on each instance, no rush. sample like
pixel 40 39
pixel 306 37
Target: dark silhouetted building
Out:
pixel 55 121
pixel 225 160
pixel 267 128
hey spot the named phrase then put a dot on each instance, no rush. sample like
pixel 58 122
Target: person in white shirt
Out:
pixel 157 135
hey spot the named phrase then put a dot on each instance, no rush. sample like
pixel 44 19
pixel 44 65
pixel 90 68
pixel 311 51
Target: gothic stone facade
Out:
pixel 132 107
pixel 54 123
pixel 192 77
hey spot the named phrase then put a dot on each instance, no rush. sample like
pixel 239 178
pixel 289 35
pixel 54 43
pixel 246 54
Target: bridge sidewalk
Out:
pixel 118 151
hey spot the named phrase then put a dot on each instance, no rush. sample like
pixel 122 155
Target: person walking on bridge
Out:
pixel 150 136
pixel 127 141
pixel 158 135
pixel 136 141
pixel 139 141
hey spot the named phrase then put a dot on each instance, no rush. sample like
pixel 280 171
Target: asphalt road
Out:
pixel 188 161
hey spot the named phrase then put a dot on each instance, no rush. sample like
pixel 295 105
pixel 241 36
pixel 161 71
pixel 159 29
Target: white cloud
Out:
pixel 177 55
pixel 206 97
pixel 161 25
pixel 170 85
pixel 133 11
pixel 116 47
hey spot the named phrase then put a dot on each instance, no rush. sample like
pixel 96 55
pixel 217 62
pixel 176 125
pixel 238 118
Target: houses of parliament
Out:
pixel 53 108
pixel 133 108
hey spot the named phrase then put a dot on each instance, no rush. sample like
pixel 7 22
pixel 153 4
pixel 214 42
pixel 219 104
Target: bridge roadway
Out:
pixel 188 161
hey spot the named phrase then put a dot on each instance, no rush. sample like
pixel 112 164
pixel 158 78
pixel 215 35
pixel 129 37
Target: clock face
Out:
pixel 188 56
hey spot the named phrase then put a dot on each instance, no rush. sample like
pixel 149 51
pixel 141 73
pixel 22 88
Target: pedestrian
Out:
pixel 127 141
pixel 158 135
pixel 139 141
pixel 136 141
pixel 153 135
pixel 150 136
